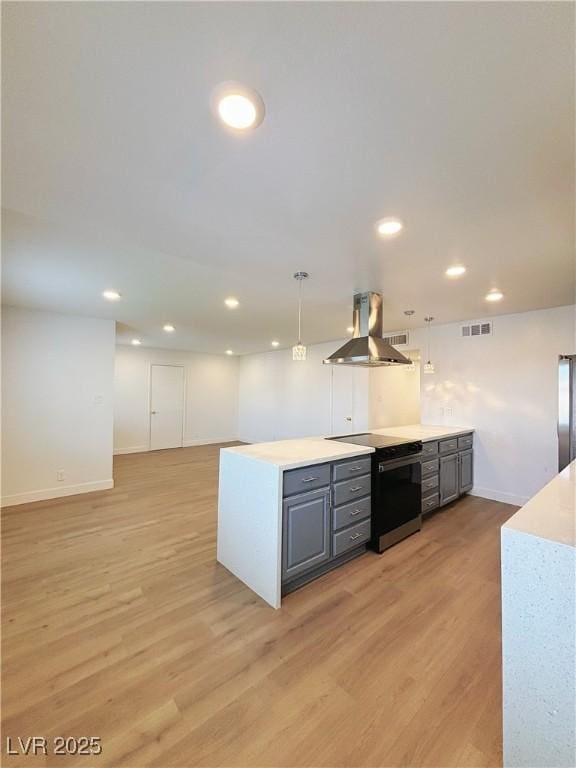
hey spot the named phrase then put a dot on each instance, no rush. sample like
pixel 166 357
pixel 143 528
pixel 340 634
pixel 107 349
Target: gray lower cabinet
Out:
pixel 449 478
pixel 466 471
pixel 323 527
pixel 305 532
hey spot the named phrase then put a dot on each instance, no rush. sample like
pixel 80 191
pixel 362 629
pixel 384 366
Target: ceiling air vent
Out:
pixel 399 340
pixel 477 329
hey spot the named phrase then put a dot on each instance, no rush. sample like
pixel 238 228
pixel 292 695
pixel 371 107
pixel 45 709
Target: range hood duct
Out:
pixel 367 347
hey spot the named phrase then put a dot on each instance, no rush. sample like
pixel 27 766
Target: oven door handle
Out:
pixel 384 466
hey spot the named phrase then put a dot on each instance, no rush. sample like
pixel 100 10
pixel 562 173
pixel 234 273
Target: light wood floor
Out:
pixel 119 623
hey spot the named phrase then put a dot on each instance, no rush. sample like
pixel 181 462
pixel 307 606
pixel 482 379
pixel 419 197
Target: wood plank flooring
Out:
pixel 119 623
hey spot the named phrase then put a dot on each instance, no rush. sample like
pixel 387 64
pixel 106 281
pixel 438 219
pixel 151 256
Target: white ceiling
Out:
pixel 457 117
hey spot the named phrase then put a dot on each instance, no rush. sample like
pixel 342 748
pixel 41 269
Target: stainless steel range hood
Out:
pixel 367 347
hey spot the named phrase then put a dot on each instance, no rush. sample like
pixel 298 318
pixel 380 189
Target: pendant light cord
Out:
pixel 299 311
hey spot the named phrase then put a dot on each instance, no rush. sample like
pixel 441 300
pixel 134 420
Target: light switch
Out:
pixel 98 399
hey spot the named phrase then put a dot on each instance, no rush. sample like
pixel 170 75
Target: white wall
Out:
pixel 506 386
pixel 281 398
pixel 394 396
pixel 211 406
pixel 57 390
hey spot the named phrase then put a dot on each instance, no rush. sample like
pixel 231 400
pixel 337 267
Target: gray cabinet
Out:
pixel 325 518
pixel 466 471
pixel 305 532
pixel 449 480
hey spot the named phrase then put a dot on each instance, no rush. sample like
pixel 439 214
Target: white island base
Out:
pixel 539 629
pixel 250 506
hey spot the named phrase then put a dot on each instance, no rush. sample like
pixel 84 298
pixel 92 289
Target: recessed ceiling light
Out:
pixel 494 295
pixel 229 352
pixel 136 342
pixel 111 295
pixel 456 271
pixel 389 227
pixel 350 329
pixel 231 302
pixel 275 343
pixel 169 328
pixel 237 106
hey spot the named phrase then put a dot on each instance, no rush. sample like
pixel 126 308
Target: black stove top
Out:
pixel 386 447
pixel 371 440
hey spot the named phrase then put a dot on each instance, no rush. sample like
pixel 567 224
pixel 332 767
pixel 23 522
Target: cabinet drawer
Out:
pixel 430 467
pixel 306 479
pixel 430 449
pixel 349 490
pixel 347 469
pixel 350 538
pixel 430 502
pixel 351 513
pixel 466 441
pixel 429 484
pixel 447 446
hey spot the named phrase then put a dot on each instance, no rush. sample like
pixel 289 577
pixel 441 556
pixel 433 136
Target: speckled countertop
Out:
pixel 551 513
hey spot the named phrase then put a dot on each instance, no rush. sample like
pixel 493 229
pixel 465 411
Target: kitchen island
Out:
pixel 251 496
pixel 539 628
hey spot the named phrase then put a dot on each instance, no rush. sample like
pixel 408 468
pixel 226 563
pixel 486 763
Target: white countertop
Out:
pixel 551 513
pixel 424 432
pixel 290 454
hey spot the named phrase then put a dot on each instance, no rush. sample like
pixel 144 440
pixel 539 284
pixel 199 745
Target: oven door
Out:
pixel 397 494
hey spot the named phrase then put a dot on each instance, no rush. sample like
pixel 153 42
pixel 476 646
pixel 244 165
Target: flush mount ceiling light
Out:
pixel 299 350
pixel 168 328
pixel 111 295
pixel 229 352
pixel 494 295
pixel 275 343
pixel 231 302
pixel 389 227
pixel 238 106
pixel 456 271
pixel 136 342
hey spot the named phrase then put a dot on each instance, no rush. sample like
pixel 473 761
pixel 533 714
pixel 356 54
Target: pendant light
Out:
pixel 299 350
pixel 428 367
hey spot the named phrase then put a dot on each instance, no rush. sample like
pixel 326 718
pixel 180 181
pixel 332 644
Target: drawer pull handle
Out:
pixel 354 469
pixel 309 479
pixel 356 512
pixel 355 488
pixel 355 536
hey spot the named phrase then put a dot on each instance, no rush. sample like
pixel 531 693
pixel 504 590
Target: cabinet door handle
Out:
pixel 309 479
pixel 355 536
pixel 356 512
pixel 354 469
pixel 355 488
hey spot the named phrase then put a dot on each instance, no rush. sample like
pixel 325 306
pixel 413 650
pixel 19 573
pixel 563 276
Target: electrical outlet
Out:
pixel 448 412
pixel 60 475
pixel 98 399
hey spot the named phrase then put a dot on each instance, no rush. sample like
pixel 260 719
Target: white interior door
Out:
pixel 166 406
pixel 342 400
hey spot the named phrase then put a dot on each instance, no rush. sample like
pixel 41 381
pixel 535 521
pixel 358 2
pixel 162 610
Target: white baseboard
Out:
pixel 185 444
pixel 505 498
pixel 132 449
pixel 56 493
pixel 211 441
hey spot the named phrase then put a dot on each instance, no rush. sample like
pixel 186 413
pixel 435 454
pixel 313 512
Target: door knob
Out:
pixel 153 413
pixel 348 418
